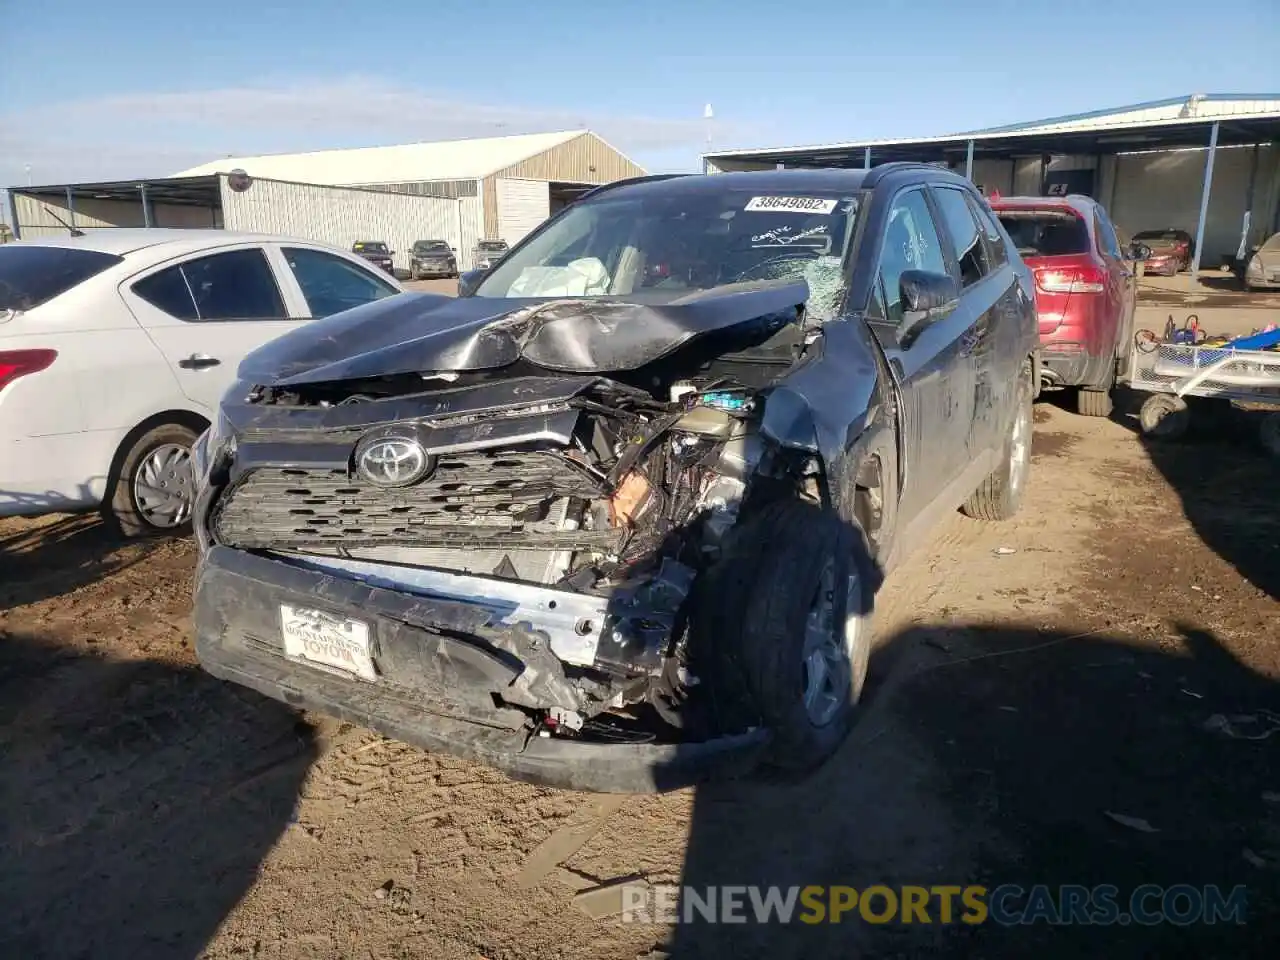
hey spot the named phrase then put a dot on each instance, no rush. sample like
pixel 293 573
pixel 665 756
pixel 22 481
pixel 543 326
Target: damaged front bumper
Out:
pixel 455 658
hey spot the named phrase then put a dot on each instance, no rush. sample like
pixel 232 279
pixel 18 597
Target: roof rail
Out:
pixel 648 178
pixel 878 172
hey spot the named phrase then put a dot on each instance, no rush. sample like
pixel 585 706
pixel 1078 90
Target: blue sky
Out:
pixel 144 87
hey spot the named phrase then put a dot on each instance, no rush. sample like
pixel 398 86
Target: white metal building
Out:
pixel 518 181
pixel 1204 163
pixel 460 191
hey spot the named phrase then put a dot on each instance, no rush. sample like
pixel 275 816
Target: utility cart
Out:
pixel 1187 380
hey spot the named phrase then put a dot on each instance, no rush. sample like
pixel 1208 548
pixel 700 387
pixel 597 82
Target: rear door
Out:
pixel 1122 294
pixel 984 372
pixel 206 311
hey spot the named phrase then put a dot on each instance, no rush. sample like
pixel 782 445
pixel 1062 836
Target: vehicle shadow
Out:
pixel 1228 487
pixel 137 800
pixel 1013 755
pixel 48 558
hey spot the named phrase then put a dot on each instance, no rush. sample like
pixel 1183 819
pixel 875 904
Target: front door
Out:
pixel 935 381
pixel 206 312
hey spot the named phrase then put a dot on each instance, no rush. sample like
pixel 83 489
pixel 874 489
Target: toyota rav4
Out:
pixel 614 518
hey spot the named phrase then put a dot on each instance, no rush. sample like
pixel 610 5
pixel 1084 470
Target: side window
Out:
pixel 910 243
pixel 970 251
pixel 237 285
pixel 1107 235
pixel 168 291
pixel 997 252
pixel 332 284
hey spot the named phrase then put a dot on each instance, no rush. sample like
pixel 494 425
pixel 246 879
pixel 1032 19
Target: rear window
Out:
pixel 1045 233
pixel 1170 235
pixel 30 276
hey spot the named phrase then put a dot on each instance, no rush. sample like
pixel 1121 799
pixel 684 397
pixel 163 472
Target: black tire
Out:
pixel 1164 416
pixel 1000 495
pixel 120 509
pixel 752 618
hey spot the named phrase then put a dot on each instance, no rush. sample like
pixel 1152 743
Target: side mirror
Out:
pixel 468 281
pixel 923 291
pixel 926 297
pixel 1139 251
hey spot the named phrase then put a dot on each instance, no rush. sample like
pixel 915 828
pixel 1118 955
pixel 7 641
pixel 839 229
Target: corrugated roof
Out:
pixel 407 163
pixel 1155 114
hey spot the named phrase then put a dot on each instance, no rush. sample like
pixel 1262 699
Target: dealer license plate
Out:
pixel 327 641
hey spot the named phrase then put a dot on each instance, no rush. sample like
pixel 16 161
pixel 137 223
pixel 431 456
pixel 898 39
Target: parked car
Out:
pixel 376 252
pixel 1171 250
pixel 116 347
pixel 432 258
pixel 614 518
pixel 489 252
pixel 1086 291
pixel 1262 272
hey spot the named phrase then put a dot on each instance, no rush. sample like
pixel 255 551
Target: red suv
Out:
pixel 1085 292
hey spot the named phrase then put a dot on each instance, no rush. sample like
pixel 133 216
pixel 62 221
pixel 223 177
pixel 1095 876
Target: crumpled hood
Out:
pixel 426 333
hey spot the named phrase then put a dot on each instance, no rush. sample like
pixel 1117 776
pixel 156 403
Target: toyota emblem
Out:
pixel 393 461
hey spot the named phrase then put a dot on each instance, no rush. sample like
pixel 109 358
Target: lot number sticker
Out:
pixel 791 204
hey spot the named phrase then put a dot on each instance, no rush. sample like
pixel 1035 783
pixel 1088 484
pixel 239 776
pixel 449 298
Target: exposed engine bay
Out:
pixel 583 509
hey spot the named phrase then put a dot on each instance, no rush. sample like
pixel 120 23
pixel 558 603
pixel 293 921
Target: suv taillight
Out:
pixel 1071 280
pixel 19 363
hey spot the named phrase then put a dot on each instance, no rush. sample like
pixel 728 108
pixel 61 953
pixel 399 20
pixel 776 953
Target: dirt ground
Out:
pixel 1110 653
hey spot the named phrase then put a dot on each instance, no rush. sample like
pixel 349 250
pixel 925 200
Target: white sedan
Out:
pixel 116 346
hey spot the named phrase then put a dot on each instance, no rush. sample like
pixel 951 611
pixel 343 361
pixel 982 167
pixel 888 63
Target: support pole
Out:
pixel 968 162
pixel 71 208
pixel 866 159
pixel 1204 202
pixel 146 209
pixel 13 216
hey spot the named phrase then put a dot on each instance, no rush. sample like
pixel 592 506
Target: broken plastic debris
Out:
pixel 1270 797
pixel 1192 693
pixel 1004 551
pixel 1133 823
pixel 1253 858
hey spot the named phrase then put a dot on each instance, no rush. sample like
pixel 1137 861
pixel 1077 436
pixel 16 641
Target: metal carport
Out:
pixel 1210 123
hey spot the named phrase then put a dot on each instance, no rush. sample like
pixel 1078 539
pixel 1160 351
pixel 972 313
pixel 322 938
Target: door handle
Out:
pixel 198 361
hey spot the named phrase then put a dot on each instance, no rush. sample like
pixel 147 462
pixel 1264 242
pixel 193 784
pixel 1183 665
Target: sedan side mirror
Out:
pixel 926 296
pixel 468 281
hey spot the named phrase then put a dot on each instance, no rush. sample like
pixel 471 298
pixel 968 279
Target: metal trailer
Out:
pixel 1186 380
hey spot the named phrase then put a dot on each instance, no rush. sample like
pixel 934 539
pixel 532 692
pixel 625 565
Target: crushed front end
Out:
pixel 498 566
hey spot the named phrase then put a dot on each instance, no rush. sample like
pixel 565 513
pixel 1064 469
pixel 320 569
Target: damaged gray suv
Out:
pixel 614 518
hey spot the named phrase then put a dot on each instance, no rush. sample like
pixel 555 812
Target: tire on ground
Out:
pixel 999 497
pixel 120 508
pixel 1164 416
pixel 751 620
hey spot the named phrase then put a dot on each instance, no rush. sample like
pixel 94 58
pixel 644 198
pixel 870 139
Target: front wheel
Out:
pixel 786 616
pixel 154 491
pixel 1000 495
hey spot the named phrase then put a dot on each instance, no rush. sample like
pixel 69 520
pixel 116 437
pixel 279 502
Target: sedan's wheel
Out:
pixel 154 491
pixel 1164 416
pixel 786 620
pixel 1002 491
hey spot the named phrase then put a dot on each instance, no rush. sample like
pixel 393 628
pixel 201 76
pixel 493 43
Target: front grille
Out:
pixel 471 501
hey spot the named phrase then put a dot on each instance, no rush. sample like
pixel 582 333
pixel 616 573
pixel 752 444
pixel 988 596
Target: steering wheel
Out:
pixel 770 261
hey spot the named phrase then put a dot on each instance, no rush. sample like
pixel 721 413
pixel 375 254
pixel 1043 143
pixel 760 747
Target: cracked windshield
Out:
pixel 665 247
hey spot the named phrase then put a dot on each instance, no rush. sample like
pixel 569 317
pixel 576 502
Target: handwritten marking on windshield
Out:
pixel 787 237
